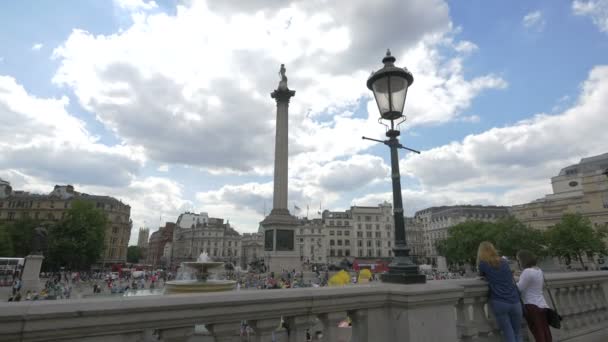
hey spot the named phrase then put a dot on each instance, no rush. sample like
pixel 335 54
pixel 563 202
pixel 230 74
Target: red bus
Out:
pixel 374 265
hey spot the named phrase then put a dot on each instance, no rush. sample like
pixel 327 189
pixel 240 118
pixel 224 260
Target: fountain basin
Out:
pixel 192 286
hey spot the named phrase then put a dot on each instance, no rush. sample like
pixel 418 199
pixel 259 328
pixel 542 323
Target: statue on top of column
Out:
pixel 283 82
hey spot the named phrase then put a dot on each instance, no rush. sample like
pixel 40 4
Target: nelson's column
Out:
pixel 279 226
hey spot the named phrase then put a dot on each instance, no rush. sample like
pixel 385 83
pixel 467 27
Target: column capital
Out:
pixel 282 95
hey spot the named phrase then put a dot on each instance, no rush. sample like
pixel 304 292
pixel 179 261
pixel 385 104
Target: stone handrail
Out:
pixel 452 310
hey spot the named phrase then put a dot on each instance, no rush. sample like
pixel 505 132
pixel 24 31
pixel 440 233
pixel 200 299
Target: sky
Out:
pixel 166 104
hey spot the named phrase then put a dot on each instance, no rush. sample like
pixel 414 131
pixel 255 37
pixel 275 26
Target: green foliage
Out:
pixel 78 240
pixel 20 233
pixel 511 235
pixel 574 237
pixel 508 235
pixel 6 243
pixel 133 254
pixel 464 238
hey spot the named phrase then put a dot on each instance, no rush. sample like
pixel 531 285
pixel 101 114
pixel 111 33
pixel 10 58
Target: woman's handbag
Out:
pixel 553 317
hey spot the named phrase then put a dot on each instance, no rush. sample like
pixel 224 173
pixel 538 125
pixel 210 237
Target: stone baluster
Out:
pixel 464 324
pixel 178 334
pixel 297 326
pixel 486 328
pixel 560 295
pixel 224 332
pixel 359 325
pixel 330 323
pixel 600 298
pixel 264 328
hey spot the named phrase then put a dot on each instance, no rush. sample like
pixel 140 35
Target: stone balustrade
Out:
pixel 452 310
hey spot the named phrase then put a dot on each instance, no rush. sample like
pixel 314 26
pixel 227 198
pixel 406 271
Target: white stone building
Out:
pixel 218 239
pixel 190 220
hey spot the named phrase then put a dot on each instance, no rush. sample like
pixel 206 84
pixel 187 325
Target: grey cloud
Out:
pixel 237 136
pixel 67 164
pixel 352 174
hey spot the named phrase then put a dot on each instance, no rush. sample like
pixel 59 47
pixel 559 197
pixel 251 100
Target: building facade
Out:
pixel 51 208
pixel 435 222
pixel 580 188
pixel 252 248
pixel 212 236
pixel 142 237
pixel 159 246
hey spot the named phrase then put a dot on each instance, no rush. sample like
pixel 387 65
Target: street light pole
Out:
pixel 390 86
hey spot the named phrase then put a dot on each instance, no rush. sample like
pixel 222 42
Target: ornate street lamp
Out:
pixel 390 85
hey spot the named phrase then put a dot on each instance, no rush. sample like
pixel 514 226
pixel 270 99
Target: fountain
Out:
pixel 194 277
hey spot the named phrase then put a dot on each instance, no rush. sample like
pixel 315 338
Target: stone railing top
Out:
pixel 64 317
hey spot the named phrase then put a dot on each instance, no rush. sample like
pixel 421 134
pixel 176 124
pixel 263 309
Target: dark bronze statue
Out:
pixel 39 241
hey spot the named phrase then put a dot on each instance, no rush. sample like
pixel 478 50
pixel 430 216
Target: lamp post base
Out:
pixel 402 270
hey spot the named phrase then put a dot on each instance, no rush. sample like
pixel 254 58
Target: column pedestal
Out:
pixel 30 279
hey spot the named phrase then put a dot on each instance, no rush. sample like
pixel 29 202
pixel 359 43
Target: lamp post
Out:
pixel 390 85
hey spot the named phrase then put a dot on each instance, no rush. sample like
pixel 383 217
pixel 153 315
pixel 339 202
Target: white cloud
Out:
pixel 534 20
pixel 37 46
pixel 522 156
pixel 597 10
pixel 134 5
pixel 40 138
pixel 163 168
pixel 220 86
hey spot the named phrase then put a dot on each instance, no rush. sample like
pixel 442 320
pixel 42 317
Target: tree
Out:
pixel 574 237
pixel 463 241
pixel 6 243
pixel 133 254
pixel 78 240
pixel 508 235
pixel 511 235
pixel 21 232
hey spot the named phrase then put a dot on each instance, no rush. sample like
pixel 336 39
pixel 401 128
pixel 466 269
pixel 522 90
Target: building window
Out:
pixel 346 223
pixel 360 243
pixel 377 226
pixel 369 234
pixel 339 233
pixel 378 252
pixel 347 252
pixel 331 223
pixel 368 218
pixel 339 242
pixel 332 242
pixel 339 223
pixel 346 242
pixel 358 225
pixel 332 252
pixel 339 252
pixel 359 234
pixel 332 233
pixel 378 235
pixel 347 233
pixel 369 243
pixel 378 243
pixel 388 227
pixel 377 218
pixel 369 252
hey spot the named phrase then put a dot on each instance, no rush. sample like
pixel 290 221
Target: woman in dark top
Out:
pixel 504 298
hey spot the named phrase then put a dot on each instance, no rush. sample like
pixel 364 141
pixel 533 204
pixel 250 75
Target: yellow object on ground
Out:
pixel 339 279
pixel 364 276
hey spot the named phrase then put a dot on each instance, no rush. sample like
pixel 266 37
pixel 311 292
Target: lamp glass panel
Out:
pixel 381 93
pixel 399 91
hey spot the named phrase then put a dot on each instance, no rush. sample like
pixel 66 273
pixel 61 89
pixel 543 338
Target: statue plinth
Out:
pixel 30 279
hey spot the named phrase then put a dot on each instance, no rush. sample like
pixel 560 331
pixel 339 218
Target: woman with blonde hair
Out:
pixel 504 298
